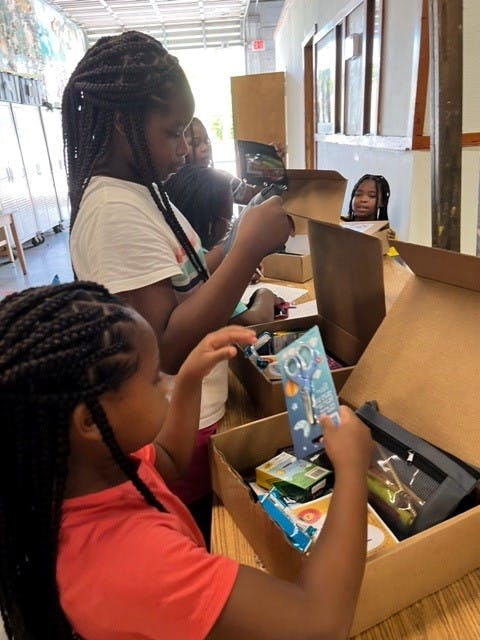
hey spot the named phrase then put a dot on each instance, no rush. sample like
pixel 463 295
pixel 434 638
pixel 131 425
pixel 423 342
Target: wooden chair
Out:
pixel 7 223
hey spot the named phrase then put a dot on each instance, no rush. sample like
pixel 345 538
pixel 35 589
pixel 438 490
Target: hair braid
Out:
pixel 44 376
pixel 123 461
pixel 136 138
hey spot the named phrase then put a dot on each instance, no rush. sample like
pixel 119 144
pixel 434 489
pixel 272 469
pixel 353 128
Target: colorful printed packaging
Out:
pixel 297 479
pixel 309 390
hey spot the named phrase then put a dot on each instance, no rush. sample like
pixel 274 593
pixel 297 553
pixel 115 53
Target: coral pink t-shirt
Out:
pixel 126 570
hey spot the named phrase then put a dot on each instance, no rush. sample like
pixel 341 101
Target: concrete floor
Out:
pixel 43 263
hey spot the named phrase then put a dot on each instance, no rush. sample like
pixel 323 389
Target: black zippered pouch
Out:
pixel 412 484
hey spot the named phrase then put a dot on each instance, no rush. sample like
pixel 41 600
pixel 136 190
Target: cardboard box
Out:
pixel 349 289
pixel 312 195
pixel 419 366
pixel 284 266
pixel 294 265
pixel 377 228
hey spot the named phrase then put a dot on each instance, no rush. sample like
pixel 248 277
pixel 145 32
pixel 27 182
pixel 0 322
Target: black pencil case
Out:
pixel 412 484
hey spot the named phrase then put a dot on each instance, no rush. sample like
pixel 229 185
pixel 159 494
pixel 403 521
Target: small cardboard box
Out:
pixel 312 195
pixel 286 266
pixel 377 228
pixel 294 264
pixel 349 289
pixel 420 367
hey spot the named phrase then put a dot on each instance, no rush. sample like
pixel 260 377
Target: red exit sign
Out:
pixel 258 45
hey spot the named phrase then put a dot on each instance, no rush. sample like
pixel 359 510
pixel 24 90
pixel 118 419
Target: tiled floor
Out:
pixel 43 263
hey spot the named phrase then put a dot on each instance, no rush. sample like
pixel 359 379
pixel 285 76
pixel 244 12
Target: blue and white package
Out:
pixel 309 390
pixel 299 535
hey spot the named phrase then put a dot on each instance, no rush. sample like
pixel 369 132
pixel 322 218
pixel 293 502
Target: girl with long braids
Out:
pixel 199 151
pixel 199 154
pixel 369 199
pixel 125 110
pixel 93 544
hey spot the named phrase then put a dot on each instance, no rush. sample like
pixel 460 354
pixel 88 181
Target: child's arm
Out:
pixel 214 257
pixel 175 443
pixel 180 327
pixel 321 604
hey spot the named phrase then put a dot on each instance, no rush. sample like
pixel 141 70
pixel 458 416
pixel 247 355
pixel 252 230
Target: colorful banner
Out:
pixel 37 41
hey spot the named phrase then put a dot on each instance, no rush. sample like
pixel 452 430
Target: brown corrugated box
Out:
pixel 421 367
pixel 312 195
pixel 285 266
pixel 377 228
pixel 348 279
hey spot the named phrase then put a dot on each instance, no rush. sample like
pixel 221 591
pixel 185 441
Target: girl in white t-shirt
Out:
pixel 125 110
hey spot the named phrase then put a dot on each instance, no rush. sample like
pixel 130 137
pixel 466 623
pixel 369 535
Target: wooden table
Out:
pixel 450 614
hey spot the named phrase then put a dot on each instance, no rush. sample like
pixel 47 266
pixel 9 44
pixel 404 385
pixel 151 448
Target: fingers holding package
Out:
pixel 265 227
pixel 213 348
pixel 349 445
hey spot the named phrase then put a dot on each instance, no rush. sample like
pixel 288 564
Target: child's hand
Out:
pixel 348 445
pixel 391 235
pixel 215 347
pixel 264 228
pixel 280 149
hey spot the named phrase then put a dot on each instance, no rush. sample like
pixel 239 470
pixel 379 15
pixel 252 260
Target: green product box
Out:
pixel 297 479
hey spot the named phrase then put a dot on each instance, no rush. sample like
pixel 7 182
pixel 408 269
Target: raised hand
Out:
pixel 263 228
pixel 212 349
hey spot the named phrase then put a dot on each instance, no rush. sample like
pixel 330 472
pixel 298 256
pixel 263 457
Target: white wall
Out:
pixel 396 166
pixel 408 172
pixel 420 218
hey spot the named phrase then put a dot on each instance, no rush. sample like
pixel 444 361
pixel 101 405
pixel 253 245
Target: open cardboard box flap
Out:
pixel 349 287
pixel 346 321
pixel 314 194
pixel 422 373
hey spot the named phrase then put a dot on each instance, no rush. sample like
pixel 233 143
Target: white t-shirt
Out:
pixel 121 240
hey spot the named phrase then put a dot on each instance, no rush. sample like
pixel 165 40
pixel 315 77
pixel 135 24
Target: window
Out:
pixel 325 82
pixel 347 55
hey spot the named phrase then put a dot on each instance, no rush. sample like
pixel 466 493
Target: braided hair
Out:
pixel 59 345
pixel 383 194
pixel 122 74
pixel 204 196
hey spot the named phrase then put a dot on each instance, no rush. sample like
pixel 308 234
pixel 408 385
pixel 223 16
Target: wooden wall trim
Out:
pixel 422 75
pixel 472 139
pixel 308 83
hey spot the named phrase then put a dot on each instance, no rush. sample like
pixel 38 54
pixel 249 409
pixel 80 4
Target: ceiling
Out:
pixel 179 24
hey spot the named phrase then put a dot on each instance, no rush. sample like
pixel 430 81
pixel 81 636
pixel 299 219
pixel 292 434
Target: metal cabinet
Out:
pixel 14 189
pixel 36 161
pixel 52 127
